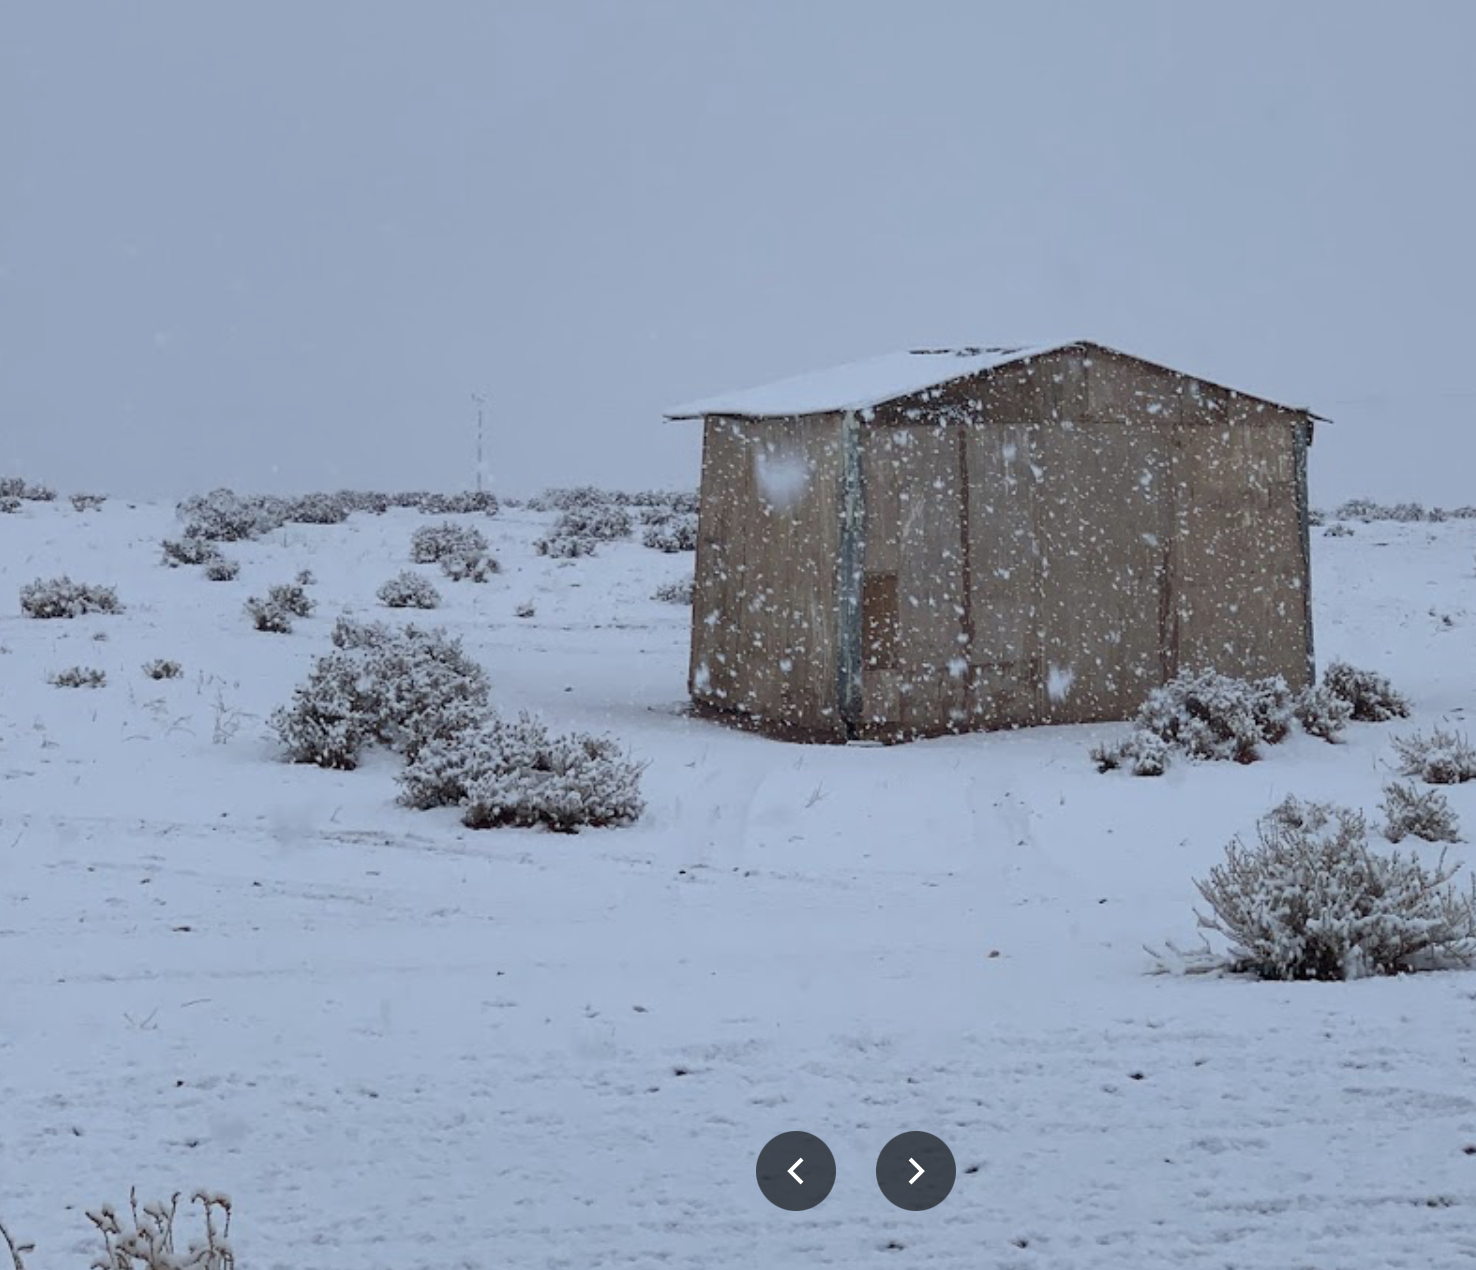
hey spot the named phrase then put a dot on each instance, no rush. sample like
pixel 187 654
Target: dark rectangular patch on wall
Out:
pixel 879 621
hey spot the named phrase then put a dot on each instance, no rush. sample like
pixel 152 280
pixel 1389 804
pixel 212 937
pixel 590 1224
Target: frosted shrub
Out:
pixel 475 566
pixel 178 551
pixel 1372 697
pixel 677 533
pixel 88 502
pixel 602 522
pixel 677 592
pixel 79 677
pixel 162 669
pixel 10 505
pixel 432 544
pixel 222 570
pixel 268 616
pixel 525 609
pixel 575 496
pixel 147 1241
pixel 18 488
pixel 1413 813
pixel 1442 758
pixel 509 773
pixel 458 504
pixel 1143 753
pixel 1311 901
pixel 400 689
pixel 1208 715
pixel 293 598
pixel 1337 530
pixel 61 597
pixel 1321 712
pixel 224 516
pixel 407 590
pixel 565 546
pixel 316 509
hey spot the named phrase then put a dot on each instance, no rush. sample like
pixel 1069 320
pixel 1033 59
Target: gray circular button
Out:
pixel 916 1171
pixel 795 1171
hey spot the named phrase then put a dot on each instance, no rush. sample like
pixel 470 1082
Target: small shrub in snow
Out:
pixel 458 504
pixel 476 566
pixel 316 509
pixel 10 505
pixel 225 516
pixel 1142 753
pixel 16 487
pixel 79 677
pixel 88 502
pixel 397 688
pixel 292 598
pixel 602 522
pixel 61 597
pixel 1413 813
pixel 678 592
pixel 1321 712
pixel 266 615
pixel 222 570
pixel 1338 530
pixel 1442 758
pixel 407 590
pixel 162 669
pixel 508 773
pixel 1372 697
pixel 575 496
pixel 178 551
pixel 431 544
pixel 565 546
pixel 525 609
pixel 1311 901
pixel 1208 715
pixel 677 533
pixel 305 578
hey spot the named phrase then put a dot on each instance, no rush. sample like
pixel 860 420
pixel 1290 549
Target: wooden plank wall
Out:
pixel 764 602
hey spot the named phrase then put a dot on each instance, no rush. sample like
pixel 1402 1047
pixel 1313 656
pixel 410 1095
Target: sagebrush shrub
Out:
pixel 18 488
pixel 1414 813
pixel 525 609
pixel 483 501
pixel 472 567
pixel 397 688
pixel 316 509
pixel 1337 530
pixel 189 551
pixel 431 544
pixel 1442 758
pixel 79 677
pixel 267 615
pixel 222 570
pixel 1372 697
pixel 1312 901
pixel 61 597
pixel 602 522
pixel 676 592
pixel 160 668
pixel 1143 753
pixel 225 516
pixel 88 502
pixel 565 546
pixel 1321 712
pixel 675 533
pixel 1208 715
pixel 292 598
pixel 407 590
pixel 515 773
pixel 10 505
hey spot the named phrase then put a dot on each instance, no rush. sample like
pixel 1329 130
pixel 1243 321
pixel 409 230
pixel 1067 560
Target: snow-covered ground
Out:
pixel 399 1043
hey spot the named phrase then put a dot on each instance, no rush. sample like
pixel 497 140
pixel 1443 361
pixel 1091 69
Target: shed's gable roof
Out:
pixel 860 385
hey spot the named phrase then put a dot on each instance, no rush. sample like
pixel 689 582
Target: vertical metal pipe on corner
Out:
pixel 848 583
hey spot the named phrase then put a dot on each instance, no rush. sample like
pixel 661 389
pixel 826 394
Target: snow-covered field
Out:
pixel 399 1043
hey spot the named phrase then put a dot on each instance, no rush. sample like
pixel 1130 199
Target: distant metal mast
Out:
pixel 481 408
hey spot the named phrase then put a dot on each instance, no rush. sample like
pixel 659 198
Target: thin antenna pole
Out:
pixel 481 404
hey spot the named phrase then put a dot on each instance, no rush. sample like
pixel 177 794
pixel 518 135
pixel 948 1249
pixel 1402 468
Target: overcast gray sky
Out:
pixel 278 245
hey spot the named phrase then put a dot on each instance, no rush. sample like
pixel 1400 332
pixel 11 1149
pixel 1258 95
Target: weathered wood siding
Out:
pixel 764 608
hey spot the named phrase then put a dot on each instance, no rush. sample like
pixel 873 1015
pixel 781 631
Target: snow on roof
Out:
pixel 861 384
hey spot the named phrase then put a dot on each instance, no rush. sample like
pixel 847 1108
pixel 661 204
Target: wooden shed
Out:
pixel 944 540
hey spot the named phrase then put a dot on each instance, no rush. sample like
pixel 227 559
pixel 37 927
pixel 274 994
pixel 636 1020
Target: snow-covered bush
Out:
pixel 677 592
pixel 1143 753
pixel 88 502
pixel 475 566
pixel 305 577
pixel 222 570
pixel 225 516
pixel 565 546
pixel 432 544
pixel 1337 530
pixel 397 688
pixel 525 609
pixel 292 598
pixel 267 615
pixel 602 522
pixel 148 1241
pixel 1414 813
pixel 178 551
pixel 516 773
pixel 407 590
pixel 79 677
pixel 1208 715
pixel 10 505
pixel 317 509
pixel 676 533
pixel 1312 901
pixel 458 504
pixel 1372 697
pixel 1321 712
pixel 61 597
pixel 1442 758
pixel 19 488
pixel 160 668
pixel 574 496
